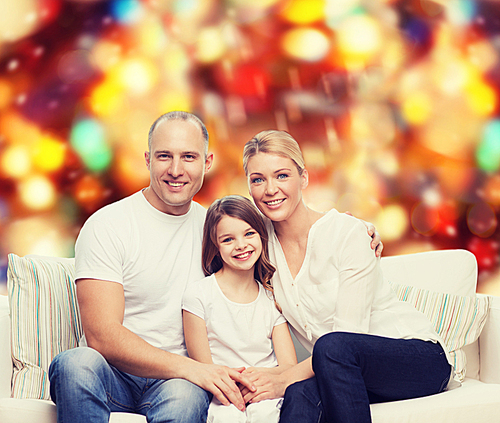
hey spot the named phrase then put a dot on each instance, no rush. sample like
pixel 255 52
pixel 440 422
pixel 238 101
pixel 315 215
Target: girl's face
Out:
pixel 275 185
pixel 239 244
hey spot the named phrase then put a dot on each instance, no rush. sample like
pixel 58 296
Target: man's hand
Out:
pixel 376 243
pixel 222 382
pixel 267 384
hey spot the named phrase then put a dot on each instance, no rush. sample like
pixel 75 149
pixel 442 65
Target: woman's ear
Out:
pixel 305 179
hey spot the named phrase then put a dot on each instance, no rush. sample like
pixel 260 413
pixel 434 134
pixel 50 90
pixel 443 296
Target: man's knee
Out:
pixel 181 401
pixel 73 368
pixel 75 361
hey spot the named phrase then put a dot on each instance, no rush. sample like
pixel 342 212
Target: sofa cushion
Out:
pixel 14 410
pixel 457 319
pixel 474 401
pixel 45 319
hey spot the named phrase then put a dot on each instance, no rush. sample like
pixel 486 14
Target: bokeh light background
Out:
pixel 394 102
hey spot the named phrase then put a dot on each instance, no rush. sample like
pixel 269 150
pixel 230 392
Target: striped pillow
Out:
pixel 458 320
pixel 45 319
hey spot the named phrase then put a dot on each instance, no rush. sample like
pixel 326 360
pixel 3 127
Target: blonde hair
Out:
pixel 276 142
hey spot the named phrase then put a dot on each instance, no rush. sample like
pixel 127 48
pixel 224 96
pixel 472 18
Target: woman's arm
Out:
pixel 195 334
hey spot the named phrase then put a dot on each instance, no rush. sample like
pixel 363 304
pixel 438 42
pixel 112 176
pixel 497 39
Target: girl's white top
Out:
pixel 340 287
pixel 238 334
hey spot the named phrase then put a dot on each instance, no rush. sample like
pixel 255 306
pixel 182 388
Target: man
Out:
pixel 133 261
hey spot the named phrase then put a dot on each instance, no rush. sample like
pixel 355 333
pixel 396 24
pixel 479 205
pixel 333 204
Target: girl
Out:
pixel 366 345
pixel 230 317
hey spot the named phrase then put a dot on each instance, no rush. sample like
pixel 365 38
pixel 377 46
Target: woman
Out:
pixel 366 345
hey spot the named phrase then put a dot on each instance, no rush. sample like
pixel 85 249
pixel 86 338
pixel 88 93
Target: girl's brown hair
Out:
pixel 240 208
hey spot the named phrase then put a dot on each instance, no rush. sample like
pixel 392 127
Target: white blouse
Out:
pixel 340 287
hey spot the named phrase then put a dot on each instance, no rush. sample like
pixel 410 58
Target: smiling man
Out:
pixel 133 261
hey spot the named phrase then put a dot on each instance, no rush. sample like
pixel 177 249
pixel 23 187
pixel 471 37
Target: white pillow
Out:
pixel 45 319
pixel 458 320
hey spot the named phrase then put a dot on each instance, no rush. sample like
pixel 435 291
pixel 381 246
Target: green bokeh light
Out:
pixel 488 151
pixel 89 141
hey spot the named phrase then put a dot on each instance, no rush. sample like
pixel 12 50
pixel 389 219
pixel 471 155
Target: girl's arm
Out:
pixel 283 349
pixel 195 334
pixel 268 381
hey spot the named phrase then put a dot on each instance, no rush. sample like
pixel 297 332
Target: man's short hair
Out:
pixel 178 115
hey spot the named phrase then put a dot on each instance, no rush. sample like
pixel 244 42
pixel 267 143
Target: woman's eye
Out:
pixel 282 176
pixel 257 181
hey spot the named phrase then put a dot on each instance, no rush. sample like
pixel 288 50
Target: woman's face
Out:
pixel 275 185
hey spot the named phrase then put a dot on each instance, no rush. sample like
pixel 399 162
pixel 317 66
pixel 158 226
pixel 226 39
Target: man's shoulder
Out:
pixel 112 210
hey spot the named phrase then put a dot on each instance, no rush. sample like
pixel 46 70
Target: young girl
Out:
pixel 230 317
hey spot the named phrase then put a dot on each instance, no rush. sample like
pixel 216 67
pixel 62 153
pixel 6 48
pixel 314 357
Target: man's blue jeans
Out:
pixel 86 388
pixel 353 370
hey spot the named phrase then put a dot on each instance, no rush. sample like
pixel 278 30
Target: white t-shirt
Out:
pixel 153 255
pixel 340 287
pixel 238 334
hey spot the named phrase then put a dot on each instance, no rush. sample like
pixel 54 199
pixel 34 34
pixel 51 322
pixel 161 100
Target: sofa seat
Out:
pixel 474 401
pixel 15 410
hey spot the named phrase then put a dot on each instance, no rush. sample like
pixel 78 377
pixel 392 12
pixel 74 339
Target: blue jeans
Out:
pixel 353 370
pixel 86 388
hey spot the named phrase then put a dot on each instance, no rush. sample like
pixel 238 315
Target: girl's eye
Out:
pixel 250 233
pixel 226 240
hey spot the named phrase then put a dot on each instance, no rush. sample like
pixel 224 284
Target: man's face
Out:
pixel 177 166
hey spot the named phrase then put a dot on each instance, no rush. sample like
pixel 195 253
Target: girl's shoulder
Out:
pixel 199 286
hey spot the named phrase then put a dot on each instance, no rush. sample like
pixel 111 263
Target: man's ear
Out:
pixel 147 158
pixel 209 161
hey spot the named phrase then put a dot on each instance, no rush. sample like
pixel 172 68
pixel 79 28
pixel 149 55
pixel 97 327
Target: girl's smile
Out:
pixel 239 244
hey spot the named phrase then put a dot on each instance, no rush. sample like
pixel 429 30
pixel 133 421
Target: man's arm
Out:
pixel 102 305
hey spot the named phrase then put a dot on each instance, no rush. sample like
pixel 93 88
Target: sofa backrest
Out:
pixel 446 271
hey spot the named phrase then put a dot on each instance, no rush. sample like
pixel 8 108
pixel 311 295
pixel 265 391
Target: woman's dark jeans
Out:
pixel 353 370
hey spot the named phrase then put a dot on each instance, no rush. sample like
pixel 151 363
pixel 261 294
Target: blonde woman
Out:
pixel 366 345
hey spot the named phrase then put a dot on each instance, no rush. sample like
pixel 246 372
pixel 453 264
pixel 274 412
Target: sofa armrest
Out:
pixel 489 345
pixel 5 354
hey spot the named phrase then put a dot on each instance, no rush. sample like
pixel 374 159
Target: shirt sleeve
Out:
pixel 99 252
pixel 192 299
pixel 359 276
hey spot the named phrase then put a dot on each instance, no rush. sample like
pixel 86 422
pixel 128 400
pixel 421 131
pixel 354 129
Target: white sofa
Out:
pixel 448 271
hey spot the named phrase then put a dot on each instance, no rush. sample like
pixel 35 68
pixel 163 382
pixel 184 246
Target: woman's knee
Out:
pixel 334 345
